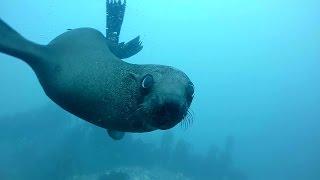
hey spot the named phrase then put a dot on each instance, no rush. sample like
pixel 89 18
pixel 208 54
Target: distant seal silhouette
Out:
pixel 82 71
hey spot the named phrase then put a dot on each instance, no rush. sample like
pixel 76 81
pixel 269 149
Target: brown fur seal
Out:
pixel 82 71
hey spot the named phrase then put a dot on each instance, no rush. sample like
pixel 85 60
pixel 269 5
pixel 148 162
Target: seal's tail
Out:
pixel 12 43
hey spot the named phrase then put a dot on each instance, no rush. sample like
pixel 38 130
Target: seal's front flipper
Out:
pixel 115 135
pixel 126 50
pixel 115 15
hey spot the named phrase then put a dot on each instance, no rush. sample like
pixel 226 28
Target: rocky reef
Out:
pixel 48 143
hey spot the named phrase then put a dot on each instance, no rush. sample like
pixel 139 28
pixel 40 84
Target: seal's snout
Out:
pixel 168 115
pixel 170 109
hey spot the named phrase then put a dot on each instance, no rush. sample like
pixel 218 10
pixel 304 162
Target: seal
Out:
pixel 82 71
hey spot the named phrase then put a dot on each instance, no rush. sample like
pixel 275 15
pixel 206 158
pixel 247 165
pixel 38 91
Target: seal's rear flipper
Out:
pixel 115 135
pixel 12 43
pixel 115 15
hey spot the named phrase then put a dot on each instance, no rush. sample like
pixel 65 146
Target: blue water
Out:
pixel 255 65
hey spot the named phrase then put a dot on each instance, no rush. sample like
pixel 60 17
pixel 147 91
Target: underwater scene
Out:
pixel 159 90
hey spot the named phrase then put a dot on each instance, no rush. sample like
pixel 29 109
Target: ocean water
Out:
pixel 256 113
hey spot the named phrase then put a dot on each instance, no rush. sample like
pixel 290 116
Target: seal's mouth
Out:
pixel 168 115
pixel 164 116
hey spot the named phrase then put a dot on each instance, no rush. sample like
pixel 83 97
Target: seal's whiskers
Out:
pixel 140 107
pixel 187 120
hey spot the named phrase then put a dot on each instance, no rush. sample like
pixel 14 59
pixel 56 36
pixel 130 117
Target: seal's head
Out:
pixel 165 95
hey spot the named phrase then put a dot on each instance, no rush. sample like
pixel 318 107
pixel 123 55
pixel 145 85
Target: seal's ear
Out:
pixel 115 135
pixel 134 76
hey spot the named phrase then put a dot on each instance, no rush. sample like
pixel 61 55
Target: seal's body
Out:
pixel 86 79
pixel 81 71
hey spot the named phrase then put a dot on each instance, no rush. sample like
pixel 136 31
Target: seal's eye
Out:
pixel 147 81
